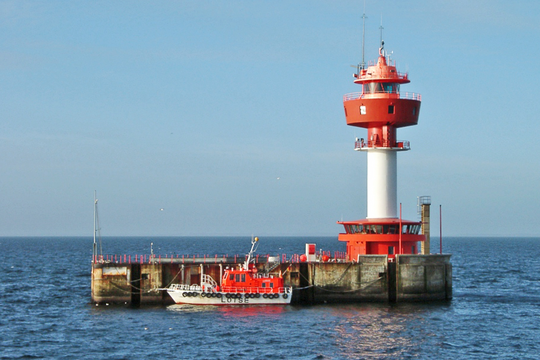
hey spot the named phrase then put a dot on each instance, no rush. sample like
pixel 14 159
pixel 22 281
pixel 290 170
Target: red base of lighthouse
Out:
pixel 381 237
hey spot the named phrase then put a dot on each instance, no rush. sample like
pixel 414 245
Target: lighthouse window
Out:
pixel 414 110
pixel 390 250
pixel 373 88
pixel 375 229
pixel 411 229
pixel 367 89
pixel 391 88
pixel 389 229
pixel 390 109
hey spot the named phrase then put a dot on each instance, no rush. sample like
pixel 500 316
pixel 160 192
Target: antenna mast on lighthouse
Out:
pixel 363 35
pixel 381 29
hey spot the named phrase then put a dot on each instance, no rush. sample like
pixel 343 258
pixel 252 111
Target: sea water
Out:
pixel 46 310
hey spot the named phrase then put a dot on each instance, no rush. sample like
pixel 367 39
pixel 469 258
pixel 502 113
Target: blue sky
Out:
pixel 228 115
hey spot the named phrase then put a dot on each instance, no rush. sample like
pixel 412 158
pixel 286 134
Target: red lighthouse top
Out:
pixel 381 107
pixel 381 73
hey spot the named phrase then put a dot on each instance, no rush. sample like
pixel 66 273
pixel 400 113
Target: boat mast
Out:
pixel 248 260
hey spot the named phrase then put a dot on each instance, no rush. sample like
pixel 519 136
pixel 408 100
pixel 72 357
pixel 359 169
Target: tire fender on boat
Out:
pixel 285 296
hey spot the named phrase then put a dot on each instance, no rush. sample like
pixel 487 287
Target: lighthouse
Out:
pixel 381 107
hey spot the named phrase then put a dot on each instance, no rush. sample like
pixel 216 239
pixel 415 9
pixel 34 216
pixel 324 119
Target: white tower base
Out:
pixel 381 184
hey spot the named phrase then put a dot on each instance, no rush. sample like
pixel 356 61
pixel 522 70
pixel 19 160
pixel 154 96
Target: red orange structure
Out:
pixel 381 108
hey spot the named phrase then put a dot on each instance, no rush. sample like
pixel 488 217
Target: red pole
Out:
pixel 440 228
pixel 400 228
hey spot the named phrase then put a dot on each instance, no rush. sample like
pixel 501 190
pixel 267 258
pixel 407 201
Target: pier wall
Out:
pixel 421 277
pixel 371 279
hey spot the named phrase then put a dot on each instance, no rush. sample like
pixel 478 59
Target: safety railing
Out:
pixel 254 290
pixel 198 259
pixel 361 95
pixel 400 144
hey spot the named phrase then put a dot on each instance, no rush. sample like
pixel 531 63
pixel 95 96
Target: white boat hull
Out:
pixel 199 297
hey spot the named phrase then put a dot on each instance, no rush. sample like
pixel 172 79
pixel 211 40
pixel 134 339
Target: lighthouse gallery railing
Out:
pixel 360 95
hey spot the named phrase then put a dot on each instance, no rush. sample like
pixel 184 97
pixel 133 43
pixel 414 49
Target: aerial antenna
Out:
pixel 363 35
pixel 362 65
pixel 382 42
pixel 97 249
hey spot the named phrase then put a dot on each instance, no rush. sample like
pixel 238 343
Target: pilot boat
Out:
pixel 242 286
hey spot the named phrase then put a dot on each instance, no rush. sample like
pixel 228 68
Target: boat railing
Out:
pixel 184 287
pixel 254 290
pixel 208 283
pixel 361 95
pixel 231 289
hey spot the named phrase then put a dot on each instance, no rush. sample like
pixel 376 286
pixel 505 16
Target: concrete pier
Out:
pixel 371 279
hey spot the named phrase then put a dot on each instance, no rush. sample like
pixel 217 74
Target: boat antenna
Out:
pixel 254 241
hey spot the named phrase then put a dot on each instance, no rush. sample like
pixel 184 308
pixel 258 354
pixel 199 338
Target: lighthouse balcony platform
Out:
pixel 382 94
pixel 400 145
